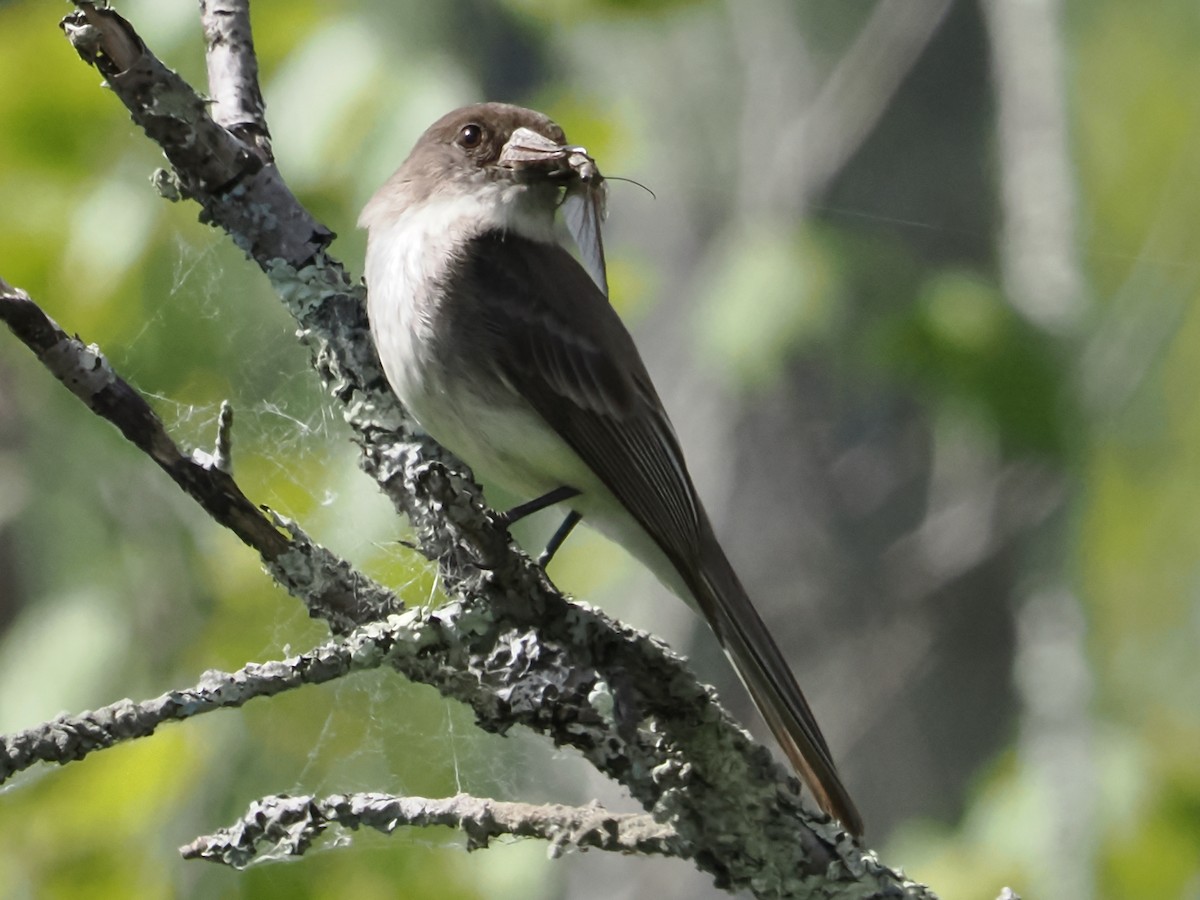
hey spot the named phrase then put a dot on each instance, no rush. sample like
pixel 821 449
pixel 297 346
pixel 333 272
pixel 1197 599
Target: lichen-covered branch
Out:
pixel 69 738
pixel 88 375
pixel 509 644
pixel 330 587
pixel 566 671
pixel 230 180
pixel 283 825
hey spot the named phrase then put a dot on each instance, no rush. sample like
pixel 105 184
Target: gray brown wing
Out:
pixel 551 333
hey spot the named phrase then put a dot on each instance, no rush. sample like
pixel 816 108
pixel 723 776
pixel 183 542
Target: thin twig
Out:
pixel 233 73
pixel 329 587
pixel 286 825
pixel 69 738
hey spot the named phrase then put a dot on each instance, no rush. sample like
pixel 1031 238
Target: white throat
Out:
pixel 409 248
pixel 409 245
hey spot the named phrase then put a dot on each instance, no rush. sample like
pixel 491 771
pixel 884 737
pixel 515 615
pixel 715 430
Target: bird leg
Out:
pixel 529 507
pixel 556 539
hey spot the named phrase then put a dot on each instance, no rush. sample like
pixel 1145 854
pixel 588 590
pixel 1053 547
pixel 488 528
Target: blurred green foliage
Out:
pixel 123 588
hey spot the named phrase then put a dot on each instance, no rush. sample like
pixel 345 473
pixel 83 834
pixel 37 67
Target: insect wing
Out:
pixel 583 211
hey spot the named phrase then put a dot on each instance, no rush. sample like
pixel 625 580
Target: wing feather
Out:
pixel 555 338
pixel 548 331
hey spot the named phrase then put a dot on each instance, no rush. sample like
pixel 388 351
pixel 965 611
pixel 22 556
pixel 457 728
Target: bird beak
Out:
pixel 533 154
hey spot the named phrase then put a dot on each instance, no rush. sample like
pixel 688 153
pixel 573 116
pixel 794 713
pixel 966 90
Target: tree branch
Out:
pixel 329 587
pixel 508 643
pixel 288 825
pixel 565 670
pixel 69 738
pixel 233 73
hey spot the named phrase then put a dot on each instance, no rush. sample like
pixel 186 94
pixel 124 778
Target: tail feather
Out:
pixel 764 671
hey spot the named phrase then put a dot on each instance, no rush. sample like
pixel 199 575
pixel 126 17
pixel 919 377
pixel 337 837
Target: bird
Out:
pixel 505 349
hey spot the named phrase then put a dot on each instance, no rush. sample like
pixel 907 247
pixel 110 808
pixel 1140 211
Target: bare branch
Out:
pixel 283 825
pixel 233 73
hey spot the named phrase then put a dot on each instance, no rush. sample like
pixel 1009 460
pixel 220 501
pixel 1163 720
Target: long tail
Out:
pixel 767 677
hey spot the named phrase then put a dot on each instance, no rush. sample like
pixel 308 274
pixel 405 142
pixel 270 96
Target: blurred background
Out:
pixel 917 283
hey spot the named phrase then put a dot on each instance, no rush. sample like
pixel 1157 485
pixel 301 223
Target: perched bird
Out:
pixel 505 349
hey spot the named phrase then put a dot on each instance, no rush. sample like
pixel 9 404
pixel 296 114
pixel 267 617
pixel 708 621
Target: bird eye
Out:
pixel 470 136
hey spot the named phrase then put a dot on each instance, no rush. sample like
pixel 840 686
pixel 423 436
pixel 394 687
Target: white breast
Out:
pixel 407 257
pixel 501 437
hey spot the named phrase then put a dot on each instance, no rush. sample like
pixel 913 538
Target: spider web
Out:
pixel 370 731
